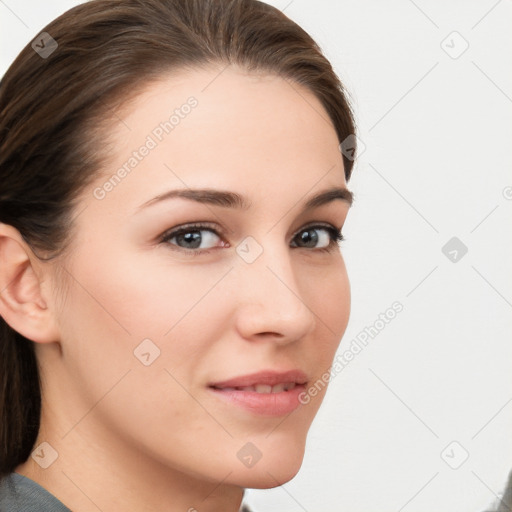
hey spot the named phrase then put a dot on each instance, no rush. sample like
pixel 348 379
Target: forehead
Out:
pixel 221 127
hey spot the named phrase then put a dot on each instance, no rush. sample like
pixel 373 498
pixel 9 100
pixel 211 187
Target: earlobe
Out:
pixel 22 304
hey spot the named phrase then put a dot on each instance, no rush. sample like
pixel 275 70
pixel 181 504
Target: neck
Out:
pixel 95 471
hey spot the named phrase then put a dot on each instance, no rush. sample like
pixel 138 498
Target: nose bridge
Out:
pixel 269 297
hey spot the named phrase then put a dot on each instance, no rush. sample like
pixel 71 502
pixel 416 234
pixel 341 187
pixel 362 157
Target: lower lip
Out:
pixel 267 404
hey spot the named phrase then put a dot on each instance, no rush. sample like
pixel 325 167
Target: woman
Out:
pixel 173 189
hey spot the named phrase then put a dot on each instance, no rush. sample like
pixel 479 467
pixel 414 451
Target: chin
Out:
pixel 273 469
pixel 272 478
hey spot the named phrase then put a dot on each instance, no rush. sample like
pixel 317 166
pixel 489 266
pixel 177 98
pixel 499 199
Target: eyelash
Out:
pixel 335 236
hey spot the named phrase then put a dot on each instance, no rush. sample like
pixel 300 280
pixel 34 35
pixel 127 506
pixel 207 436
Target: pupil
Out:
pixel 193 238
pixel 310 237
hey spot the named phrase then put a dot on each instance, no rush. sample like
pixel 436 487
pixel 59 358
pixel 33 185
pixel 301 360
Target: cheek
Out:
pixel 168 316
pixel 331 304
pixel 117 301
pixel 329 298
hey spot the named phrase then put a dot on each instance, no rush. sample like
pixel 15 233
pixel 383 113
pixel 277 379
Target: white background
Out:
pixel 437 133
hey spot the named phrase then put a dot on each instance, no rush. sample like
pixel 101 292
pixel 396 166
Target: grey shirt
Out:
pixel 21 494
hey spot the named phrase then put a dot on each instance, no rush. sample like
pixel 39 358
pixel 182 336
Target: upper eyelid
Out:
pixel 197 226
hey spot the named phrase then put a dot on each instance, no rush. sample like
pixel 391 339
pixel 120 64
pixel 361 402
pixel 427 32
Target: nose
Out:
pixel 270 301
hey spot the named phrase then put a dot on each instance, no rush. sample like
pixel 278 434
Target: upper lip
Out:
pixel 268 377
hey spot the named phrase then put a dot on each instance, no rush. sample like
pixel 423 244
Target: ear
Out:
pixel 22 297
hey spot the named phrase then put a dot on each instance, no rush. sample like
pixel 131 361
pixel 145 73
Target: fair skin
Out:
pixel 134 437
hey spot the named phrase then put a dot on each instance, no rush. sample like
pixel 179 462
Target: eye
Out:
pixel 196 239
pixel 322 237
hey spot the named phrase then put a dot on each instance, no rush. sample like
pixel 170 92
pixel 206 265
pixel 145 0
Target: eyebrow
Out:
pixel 228 199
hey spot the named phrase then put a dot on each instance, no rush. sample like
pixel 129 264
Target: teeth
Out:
pixel 263 388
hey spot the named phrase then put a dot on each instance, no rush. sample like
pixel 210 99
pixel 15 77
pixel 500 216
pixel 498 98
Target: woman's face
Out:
pixel 171 344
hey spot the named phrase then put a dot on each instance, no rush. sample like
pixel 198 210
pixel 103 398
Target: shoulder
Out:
pixel 504 500
pixel 21 494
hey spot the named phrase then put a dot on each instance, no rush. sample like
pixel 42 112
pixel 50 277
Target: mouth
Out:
pixel 261 388
pixel 268 393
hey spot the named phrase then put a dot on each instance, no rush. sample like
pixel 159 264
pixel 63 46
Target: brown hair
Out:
pixel 54 106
